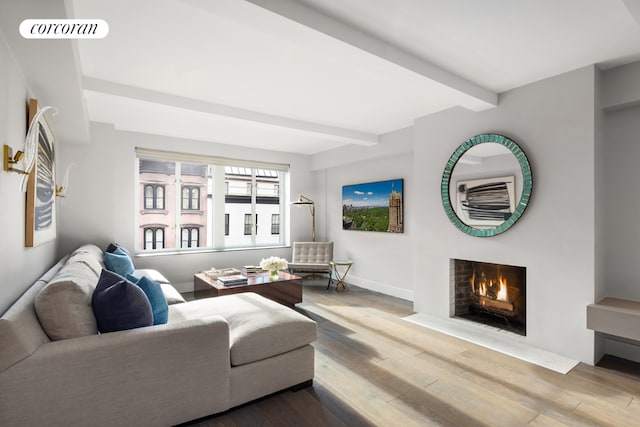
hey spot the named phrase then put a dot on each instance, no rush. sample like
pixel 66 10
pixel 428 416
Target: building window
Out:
pixel 190 198
pixel 190 237
pixel 247 224
pixel 153 238
pixel 226 224
pixel 153 196
pixel 275 224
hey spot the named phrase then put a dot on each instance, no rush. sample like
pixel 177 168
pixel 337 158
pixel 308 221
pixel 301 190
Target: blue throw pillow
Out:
pixel 113 246
pixel 153 290
pixel 119 262
pixel 119 304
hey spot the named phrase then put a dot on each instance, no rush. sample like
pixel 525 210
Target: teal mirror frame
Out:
pixel 527 184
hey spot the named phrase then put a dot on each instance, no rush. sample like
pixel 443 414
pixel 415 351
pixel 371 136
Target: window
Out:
pixel 176 215
pixel 247 224
pixel 190 198
pixel 190 237
pixel 153 238
pixel 275 223
pixel 153 196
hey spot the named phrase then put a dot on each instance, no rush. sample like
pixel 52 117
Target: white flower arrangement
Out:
pixel 274 263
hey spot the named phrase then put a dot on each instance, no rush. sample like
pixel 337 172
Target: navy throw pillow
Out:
pixel 119 262
pixel 153 290
pixel 119 304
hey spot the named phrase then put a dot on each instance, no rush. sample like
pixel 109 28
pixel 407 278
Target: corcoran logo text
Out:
pixel 64 29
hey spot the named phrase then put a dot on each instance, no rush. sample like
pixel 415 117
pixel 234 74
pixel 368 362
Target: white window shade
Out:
pixel 210 160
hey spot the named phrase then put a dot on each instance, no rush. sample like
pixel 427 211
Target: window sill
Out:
pixel 172 252
pixel 154 211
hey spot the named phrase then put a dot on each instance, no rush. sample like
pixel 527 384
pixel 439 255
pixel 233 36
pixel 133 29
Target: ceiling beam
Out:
pixel 291 125
pixel 479 98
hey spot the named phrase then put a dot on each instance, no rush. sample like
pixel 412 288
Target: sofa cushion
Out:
pixel 91 255
pixel 258 327
pixel 149 273
pixel 119 304
pixel 119 262
pixel 170 293
pixel 153 291
pixel 63 306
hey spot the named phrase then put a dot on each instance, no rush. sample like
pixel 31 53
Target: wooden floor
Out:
pixel 374 369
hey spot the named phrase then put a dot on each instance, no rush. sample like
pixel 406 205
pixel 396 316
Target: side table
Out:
pixel 345 265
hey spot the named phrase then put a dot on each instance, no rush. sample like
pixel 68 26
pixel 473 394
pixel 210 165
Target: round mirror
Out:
pixel 486 185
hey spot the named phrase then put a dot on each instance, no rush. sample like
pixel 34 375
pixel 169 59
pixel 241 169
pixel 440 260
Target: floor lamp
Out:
pixel 305 201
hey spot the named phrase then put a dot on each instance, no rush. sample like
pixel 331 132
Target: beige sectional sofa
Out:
pixel 212 355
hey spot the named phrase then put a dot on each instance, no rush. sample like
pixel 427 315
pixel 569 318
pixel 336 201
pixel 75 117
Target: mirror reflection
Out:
pixel 486 185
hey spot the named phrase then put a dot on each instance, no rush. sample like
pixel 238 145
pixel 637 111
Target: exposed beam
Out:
pixel 290 125
pixel 479 98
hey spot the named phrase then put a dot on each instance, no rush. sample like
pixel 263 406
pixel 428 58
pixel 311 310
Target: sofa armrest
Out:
pixel 174 373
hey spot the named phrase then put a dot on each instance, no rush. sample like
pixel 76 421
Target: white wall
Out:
pixel 382 261
pixel 19 266
pixel 622 196
pixel 619 198
pixel 553 122
pixel 99 207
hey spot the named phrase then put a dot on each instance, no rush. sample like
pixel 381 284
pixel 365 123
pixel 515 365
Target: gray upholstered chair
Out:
pixel 312 258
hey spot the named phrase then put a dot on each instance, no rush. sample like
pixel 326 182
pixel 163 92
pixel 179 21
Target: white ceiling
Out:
pixel 307 76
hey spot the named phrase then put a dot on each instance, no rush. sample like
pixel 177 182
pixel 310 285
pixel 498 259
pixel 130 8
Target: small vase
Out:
pixel 274 275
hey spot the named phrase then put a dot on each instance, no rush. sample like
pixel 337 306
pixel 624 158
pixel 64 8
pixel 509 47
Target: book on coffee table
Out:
pixel 234 280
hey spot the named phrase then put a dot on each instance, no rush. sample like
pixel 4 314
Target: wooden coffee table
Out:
pixel 287 290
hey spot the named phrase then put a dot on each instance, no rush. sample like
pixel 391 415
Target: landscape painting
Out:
pixel 374 206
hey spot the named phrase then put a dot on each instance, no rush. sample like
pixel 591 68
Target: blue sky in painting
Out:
pixel 370 194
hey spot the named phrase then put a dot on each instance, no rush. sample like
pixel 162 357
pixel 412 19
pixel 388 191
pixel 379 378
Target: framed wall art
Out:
pixel 41 191
pixel 373 206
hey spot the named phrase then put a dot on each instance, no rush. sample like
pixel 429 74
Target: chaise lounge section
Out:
pixel 212 355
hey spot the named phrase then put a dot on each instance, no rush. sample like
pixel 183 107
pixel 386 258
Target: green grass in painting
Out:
pixel 371 219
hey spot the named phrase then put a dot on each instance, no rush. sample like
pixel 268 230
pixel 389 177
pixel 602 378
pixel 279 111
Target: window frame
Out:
pixel 213 206
pixel 154 239
pixel 154 196
pixel 190 231
pixel 192 200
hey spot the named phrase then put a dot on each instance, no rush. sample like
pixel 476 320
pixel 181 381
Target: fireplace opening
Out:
pixel 492 294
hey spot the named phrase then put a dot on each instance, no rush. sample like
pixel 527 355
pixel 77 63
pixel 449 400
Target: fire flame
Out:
pixel 502 293
pixel 484 285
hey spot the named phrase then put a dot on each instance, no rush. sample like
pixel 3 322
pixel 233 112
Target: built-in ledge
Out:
pixel 614 316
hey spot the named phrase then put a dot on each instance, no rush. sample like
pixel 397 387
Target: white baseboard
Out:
pixel 372 285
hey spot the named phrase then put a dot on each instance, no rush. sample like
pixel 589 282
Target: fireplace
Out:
pixel 493 294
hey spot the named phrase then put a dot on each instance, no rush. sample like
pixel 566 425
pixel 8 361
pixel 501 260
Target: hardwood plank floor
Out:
pixel 374 369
